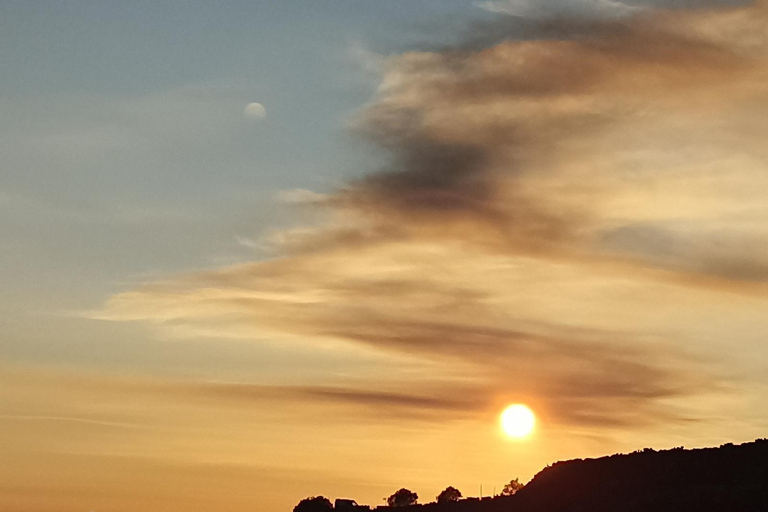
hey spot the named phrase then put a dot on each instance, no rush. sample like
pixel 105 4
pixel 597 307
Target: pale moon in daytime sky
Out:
pixel 255 111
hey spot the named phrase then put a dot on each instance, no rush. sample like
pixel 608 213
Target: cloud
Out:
pixel 546 144
pixel 559 8
pixel 487 329
pixel 369 406
pixel 302 196
pixel 548 227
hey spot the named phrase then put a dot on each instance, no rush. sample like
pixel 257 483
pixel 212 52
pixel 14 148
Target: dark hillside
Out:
pixel 717 479
pixel 726 479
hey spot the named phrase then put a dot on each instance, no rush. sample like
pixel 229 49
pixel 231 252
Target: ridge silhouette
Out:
pixel 731 478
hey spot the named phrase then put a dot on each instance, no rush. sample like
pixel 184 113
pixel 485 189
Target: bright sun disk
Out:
pixel 517 420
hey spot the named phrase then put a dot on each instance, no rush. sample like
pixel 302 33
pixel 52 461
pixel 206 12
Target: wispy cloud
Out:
pixel 559 8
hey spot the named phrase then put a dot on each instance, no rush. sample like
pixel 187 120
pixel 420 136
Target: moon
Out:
pixel 517 421
pixel 255 111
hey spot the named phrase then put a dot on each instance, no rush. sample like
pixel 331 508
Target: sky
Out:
pixel 444 207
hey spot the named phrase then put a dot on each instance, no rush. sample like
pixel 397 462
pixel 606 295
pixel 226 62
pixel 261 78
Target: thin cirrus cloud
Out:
pixel 559 8
pixel 560 218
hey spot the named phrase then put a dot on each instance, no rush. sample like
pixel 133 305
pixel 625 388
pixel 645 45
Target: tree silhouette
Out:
pixel 448 495
pixel 402 498
pixel 314 504
pixel 512 487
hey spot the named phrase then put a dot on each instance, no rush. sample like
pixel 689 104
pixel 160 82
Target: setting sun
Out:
pixel 517 420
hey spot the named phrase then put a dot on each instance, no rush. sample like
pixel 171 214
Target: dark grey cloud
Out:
pixel 473 130
pixel 372 405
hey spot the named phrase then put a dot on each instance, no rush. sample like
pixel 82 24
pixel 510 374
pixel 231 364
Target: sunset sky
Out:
pixel 445 207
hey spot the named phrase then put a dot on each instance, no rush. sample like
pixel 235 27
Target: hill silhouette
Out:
pixel 731 478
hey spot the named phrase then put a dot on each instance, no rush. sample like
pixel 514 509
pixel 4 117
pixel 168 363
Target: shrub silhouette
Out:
pixel 448 495
pixel 512 487
pixel 314 504
pixel 402 498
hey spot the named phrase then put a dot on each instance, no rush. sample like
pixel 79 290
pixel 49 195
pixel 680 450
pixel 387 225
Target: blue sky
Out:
pixel 125 147
pixel 127 155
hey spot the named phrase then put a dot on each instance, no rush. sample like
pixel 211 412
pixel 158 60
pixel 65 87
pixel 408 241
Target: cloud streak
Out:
pixel 559 8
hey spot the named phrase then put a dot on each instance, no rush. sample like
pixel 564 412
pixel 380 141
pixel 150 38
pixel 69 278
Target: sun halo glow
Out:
pixel 517 421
